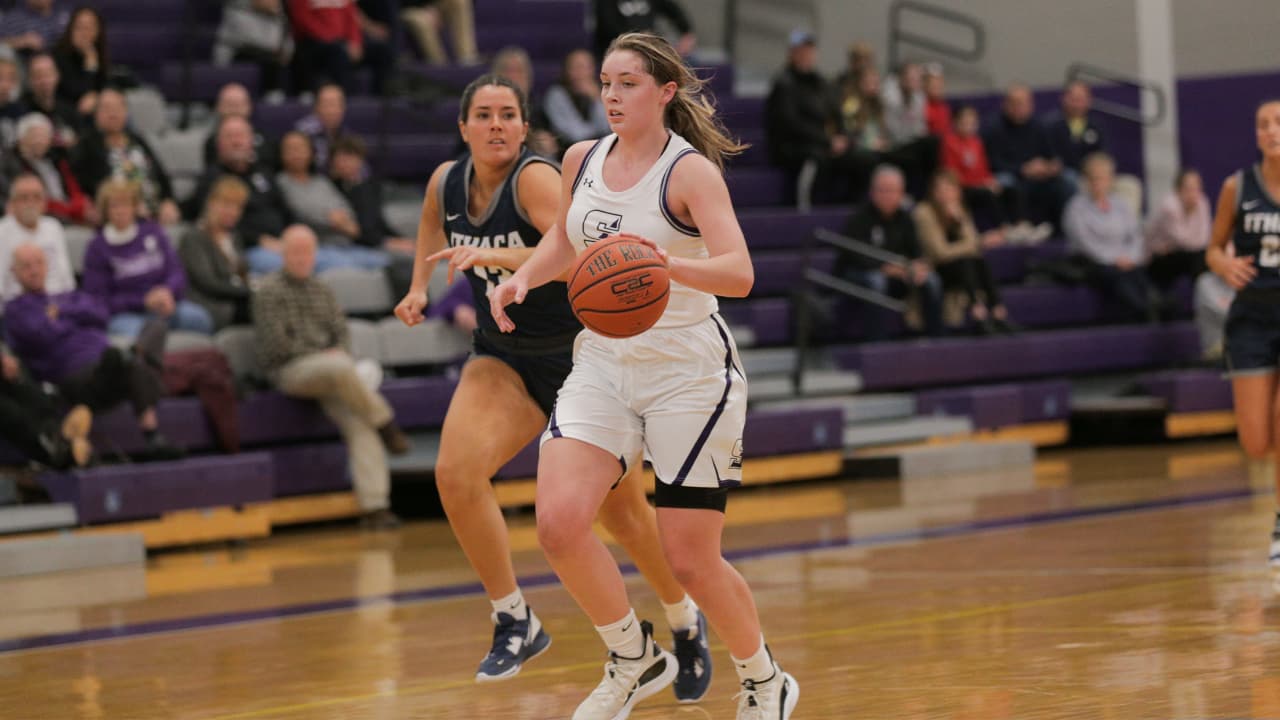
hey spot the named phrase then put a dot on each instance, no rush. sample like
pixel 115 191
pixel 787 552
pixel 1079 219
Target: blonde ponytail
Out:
pixel 690 113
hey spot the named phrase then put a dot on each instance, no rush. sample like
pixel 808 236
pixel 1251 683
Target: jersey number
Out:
pixel 1270 256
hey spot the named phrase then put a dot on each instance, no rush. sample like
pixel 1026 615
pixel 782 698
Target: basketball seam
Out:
pixel 625 309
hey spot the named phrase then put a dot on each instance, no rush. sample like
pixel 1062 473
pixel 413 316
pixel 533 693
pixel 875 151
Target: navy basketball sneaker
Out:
pixel 694 657
pixel 514 643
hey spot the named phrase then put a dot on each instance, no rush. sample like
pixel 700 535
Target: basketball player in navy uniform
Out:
pixel 675 393
pixel 1249 217
pixel 484 214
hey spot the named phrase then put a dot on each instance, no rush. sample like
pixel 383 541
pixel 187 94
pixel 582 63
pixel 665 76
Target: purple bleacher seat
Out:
pixel 309 469
pixel 740 113
pixel 269 418
pixel 168 12
pixel 545 72
pixel 785 432
pixel 756 187
pixel 132 492
pixel 541 42
pixel 719 78
pixel 1011 263
pixel 768 318
pixel 992 406
pixel 776 228
pixel 1045 400
pixel 926 363
pixel 206 80
pixel 558 13
pixel 413 157
pixel 1190 390
pixel 778 273
pixel 274 120
pixel 144 47
pixel 182 421
pixel 1046 306
pixel 419 402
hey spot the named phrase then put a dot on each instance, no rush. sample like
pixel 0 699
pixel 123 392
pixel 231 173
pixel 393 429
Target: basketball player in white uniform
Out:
pixel 675 394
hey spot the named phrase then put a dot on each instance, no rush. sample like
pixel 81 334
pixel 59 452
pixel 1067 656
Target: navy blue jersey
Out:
pixel 545 312
pixel 1257 227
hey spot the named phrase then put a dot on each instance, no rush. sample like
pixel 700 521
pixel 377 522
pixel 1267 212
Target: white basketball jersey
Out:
pixel 598 212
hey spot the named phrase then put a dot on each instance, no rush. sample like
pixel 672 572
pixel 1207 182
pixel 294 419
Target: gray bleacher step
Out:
pixel 903 430
pixel 857 408
pixel 743 336
pixel 8 491
pixel 767 361
pixel 31 518
pixel 816 383
pixel 36 556
pixel 950 459
pixel 421 457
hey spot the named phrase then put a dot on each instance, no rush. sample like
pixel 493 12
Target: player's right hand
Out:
pixel 410 310
pixel 510 291
pixel 1238 271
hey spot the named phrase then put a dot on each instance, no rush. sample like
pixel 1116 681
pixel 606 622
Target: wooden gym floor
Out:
pixel 1104 584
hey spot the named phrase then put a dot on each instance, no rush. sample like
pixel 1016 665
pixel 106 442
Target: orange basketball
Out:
pixel 619 288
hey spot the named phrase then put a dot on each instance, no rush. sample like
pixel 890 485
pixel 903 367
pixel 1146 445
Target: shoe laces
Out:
pixel 754 697
pixel 504 631
pixel 620 675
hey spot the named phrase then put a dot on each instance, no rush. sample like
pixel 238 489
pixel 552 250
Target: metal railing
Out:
pixel 804 297
pixel 899 35
pixel 1084 72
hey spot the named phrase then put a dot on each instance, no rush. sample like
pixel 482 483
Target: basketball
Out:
pixel 619 288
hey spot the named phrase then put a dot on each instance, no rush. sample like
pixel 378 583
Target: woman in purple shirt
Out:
pixel 132 267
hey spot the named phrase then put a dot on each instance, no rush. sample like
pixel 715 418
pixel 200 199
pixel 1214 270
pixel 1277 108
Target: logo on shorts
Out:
pixel 598 225
pixel 735 456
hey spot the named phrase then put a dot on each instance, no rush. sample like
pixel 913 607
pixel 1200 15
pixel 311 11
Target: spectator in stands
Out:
pixel 234 101
pixel 326 123
pixel 112 150
pixel 304 347
pixel 513 63
pixel 799 114
pixel 937 111
pixel 11 106
pixel 380 28
pixel 81 54
pixel 213 256
pixel 314 201
pixel 132 267
pixel 425 17
pixel 265 214
pixel 573 105
pixel 42 96
pixel 871 135
pixel 905 104
pixel 32 26
pixel 859 56
pixel 62 339
pixel 616 17
pixel 997 206
pixel 1104 232
pixel 25 223
pixel 1022 157
pixel 256 31
pixel 328 42
pixel 885 224
pixel 952 245
pixel 1073 131
pixel 1178 234
pixel 36 155
pixel 31 421
pixel 364 195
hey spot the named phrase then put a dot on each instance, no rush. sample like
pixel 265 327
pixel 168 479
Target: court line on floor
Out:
pixel 172 625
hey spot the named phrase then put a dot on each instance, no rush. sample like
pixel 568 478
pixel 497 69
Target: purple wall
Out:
pixel 1215 122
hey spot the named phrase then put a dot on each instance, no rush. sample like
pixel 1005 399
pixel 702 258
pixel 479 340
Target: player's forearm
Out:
pixel 553 255
pixel 427 246
pixel 728 275
pixel 511 258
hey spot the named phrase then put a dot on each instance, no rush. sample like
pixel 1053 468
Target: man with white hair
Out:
pixel 36 154
pixel 25 223
pixel 304 346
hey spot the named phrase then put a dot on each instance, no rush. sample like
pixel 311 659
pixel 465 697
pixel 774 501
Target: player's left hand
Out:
pixel 461 258
pixel 662 254
pixel 512 290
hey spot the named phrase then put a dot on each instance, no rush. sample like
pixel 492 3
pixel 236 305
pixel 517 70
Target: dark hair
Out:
pixel 468 95
pixel 349 145
pixel 99 43
pixel 1182 175
pixel 1265 103
pixel 583 104
pixel 311 147
pixel 945 175
pixel 691 113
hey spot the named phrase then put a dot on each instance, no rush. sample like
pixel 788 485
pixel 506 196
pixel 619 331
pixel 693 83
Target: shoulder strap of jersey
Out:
pixel 528 159
pixel 586 159
pixel 441 190
pixel 662 196
pixel 1244 178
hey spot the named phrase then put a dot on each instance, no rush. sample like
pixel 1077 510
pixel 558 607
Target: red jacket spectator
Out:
pixel 937 114
pixel 967 157
pixel 325 20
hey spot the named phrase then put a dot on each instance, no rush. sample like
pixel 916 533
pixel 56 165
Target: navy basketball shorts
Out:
pixel 676 397
pixel 542 365
pixel 1253 335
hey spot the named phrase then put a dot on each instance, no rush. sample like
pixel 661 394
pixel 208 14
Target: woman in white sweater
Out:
pixel 1178 233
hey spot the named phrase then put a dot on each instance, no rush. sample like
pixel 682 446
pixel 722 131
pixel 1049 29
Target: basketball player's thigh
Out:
pixel 1253 349
pixel 491 417
pixel 695 441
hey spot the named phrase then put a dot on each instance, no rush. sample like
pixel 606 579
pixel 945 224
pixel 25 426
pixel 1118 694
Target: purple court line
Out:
pixel 544 579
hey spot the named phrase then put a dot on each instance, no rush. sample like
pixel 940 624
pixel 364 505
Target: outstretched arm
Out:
pixel 430 241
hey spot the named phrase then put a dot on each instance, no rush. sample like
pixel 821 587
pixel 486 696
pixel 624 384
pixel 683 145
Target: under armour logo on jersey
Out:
pixel 598 224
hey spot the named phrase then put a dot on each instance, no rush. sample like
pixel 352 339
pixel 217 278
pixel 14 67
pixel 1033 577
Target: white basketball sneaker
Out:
pixel 772 699
pixel 627 681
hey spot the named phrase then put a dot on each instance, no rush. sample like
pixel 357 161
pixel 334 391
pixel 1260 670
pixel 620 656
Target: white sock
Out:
pixel 624 637
pixel 682 615
pixel 758 667
pixel 512 605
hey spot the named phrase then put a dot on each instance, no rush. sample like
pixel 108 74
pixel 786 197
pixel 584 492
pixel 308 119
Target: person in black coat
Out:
pixel 1022 158
pixel 1074 133
pixel 615 17
pixel 111 149
pixel 81 54
pixel 213 256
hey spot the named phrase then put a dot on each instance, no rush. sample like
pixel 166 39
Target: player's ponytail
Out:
pixel 690 113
